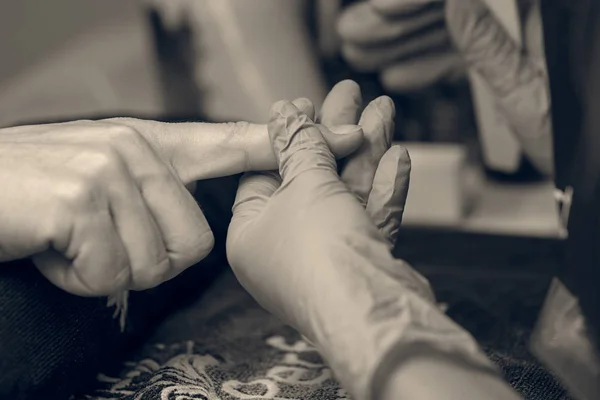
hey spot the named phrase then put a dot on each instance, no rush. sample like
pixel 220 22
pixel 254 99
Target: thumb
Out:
pixel 205 150
pixel 299 143
pixel 254 191
pixel 518 84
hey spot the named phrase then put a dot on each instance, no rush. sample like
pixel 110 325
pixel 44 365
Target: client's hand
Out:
pixel 406 41
pixel 303 245
pixel 101 205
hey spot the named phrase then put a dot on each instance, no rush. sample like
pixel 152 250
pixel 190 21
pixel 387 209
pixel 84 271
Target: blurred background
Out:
pixel 230 60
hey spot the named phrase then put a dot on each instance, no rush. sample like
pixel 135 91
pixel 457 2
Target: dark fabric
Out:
pixel 225 346
pixel 572 30
pixel 53 343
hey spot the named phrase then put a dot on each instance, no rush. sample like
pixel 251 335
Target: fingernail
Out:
pixel 345 129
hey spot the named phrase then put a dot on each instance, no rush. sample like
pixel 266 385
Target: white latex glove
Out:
pixel 517 76
pixel 306 249
pixel 405 40
pixel 101 205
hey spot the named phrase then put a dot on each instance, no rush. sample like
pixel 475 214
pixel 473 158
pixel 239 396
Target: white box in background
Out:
pixel 439 193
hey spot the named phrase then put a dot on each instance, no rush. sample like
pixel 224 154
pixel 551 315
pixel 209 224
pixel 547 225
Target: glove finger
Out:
pixel 342 95
pixel 254 191
pixel 390 189
pixel 412 75
pixel 402 7
pixel 519 85
pixel 362 25
pixel 253 194
pixel 374 58
pixel 298 142
pixel 377 122
pixel 342 105
pixel 306 106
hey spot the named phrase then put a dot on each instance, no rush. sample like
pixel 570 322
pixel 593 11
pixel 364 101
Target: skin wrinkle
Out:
pixel 239 129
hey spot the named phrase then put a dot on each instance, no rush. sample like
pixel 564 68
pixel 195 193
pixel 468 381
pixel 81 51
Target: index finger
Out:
pixel 198 150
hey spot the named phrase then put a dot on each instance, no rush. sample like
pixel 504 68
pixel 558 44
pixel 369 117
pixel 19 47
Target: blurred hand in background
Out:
pixel 414 44
pixel 406 41
pixel 515 73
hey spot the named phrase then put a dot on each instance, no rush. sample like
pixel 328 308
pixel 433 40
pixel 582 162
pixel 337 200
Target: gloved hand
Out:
pixel 517 76
pixel 101 205
pixel 306 249
pixel 405 40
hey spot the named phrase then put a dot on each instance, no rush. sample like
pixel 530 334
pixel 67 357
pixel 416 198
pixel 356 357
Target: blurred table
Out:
pixel 514 209
pixel 448 192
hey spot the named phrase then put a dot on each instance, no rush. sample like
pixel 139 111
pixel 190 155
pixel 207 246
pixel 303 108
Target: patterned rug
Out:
pixel 226 347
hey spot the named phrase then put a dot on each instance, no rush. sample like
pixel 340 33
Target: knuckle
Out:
pixel 120 134
pixel 102 161
pixel 121 131
pixel 195 248
pixel 120 281
pixel 154 276
pixel 97 168
pixel 206 244
pixel 76 191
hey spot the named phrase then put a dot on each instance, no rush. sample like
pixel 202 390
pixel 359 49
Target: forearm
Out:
pixel 376 322
pixel 437 376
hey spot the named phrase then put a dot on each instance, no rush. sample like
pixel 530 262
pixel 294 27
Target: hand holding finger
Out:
pixel 298 142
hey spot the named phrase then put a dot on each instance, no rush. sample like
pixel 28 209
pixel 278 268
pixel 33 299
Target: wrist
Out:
pixel 427 375
pixel 381 320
